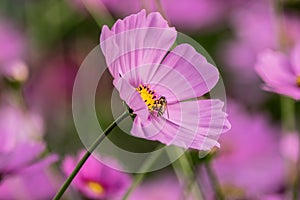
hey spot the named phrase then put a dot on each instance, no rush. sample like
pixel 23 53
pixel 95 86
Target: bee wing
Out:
pixel 167 111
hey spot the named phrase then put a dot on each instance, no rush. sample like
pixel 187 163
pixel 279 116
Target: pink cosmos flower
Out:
pixel 96 180
pixel 158 83
pixel 280 72
pixel 249 163
pixel 255 26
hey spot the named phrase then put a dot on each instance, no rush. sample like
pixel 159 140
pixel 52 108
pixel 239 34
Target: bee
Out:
pixel 160 105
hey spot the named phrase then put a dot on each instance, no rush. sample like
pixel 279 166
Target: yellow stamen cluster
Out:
pixel 95 187
pixel 147 95
pixel 298 81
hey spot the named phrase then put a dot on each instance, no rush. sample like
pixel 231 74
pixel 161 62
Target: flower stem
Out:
pixel 288 127
pixel 287 114
pixel 190 177
pixel 106 132
pixel 214 181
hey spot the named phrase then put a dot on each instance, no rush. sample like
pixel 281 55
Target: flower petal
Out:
pixel 135 41
pixel 284 89
pixel 132 98
pixel 186 73
pixel 295 59
pixel 191 124
pixel 32 183
pixel 273 67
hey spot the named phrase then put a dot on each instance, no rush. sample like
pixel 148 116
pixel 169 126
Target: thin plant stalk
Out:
pixel 289 126
pixel 106 132
pixel 139 177
pixel 184 166
pixel 214 181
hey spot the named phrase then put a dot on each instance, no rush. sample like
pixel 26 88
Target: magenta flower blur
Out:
pixel 23 175
pixel 158 83
pixel 166 187
pixel 289 146
pixel 256 28
pixel 189 15
pixel 249 163
pixel 22 170
pixel 96 180
pixel 280 72
pixel 18 126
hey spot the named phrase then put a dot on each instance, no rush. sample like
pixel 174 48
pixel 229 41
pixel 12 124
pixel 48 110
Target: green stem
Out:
pixel 190 178
pixel 101 18
pixel 287 105
pixel 288 114
pixel 214 181
pixel 289 126
pixel 296 186
pixel 138 178
pixel 106 132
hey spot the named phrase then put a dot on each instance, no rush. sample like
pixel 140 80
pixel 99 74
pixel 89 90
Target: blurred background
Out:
pixel 44 42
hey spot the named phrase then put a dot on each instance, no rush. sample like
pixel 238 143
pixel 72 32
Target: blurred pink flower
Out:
pixel 12 52
pixel 189 15
pixel 18 126
pixel 289 146
pixel 256 28
pixel 144 72
pixel 23 176
pixel 280 72
pixel 166 187
pixel 55 79
pixel 22 172
pixel 96 180
pixel 249 161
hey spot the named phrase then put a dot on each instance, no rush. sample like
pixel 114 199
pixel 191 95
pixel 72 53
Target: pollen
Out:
pixel 147 95
pixel 95 187
pixel 298 80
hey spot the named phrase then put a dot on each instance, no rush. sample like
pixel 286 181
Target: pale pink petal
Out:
pixel 132 98
pixel 138 66
pixel 143 76
pixel 274 68
pixel 284 89
pixel 135 41
pixel 186 73
pixel 191 124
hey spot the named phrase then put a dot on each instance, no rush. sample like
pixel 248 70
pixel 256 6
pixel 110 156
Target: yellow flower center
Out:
pixel 298 81
pixel 147 95
pixel 95 187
